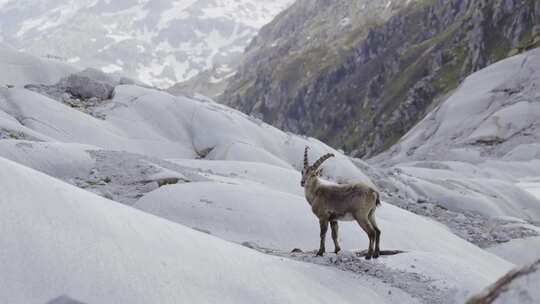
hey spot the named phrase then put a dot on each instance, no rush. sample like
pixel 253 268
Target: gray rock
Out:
pixel 64 300
pixel 85 86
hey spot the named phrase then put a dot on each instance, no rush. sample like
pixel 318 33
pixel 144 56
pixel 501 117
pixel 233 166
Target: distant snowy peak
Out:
pixel 157 42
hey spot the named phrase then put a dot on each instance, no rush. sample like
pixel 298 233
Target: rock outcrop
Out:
pixel 85 86
pixel 83 90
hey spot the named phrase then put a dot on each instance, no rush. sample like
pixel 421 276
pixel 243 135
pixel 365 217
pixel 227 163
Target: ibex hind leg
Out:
pixel 335 229
pixel 371 218
pixel 366 226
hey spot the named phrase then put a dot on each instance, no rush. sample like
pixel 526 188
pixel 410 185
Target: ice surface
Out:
pixel 519 251
pixel 151 122
pixel 213 178
pixel 59 240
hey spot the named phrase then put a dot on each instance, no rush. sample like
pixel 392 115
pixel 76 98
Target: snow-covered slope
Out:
pixel 435 256
pixel 154 123
pixel 62 160
pixel 518 251
pixel 235 180
pixel 157 42
pixel 245 206
pixel 246 212
pixel 532 186
pixel 19 69
pixel 462 186
pixel 62 242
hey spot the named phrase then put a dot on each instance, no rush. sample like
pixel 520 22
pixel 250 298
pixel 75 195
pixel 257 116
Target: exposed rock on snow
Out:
pixel 13 134
pixel 86 88
pixel 423 288
pixel 126 177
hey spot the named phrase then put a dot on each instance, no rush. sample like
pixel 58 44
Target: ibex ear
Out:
pixel 319 172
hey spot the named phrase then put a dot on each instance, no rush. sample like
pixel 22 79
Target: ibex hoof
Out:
pixel 337 250
pixel 376 255
pixel 368 257
pixel 320 253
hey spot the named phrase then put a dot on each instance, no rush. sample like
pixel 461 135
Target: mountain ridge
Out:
pixel 363 93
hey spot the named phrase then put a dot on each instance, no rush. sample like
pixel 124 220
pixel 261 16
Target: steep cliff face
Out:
pixel 494 114
pixel 359 74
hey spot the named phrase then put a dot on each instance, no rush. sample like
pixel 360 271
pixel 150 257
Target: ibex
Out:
pixel 333 203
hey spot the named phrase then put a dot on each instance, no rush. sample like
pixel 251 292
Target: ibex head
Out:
pixel 313 170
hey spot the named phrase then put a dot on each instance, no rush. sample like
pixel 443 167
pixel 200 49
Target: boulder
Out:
pixel 90 83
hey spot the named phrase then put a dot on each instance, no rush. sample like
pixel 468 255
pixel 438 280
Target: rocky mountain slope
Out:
pixel 360 74
pixel 209 83
pixel 494 114
pixel 157 42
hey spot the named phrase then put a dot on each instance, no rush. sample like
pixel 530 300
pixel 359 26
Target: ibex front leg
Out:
pixel 334 226
pixel 324 229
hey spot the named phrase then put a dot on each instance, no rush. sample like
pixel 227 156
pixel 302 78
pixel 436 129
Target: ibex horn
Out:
pixel 306 164
pixel 321 160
